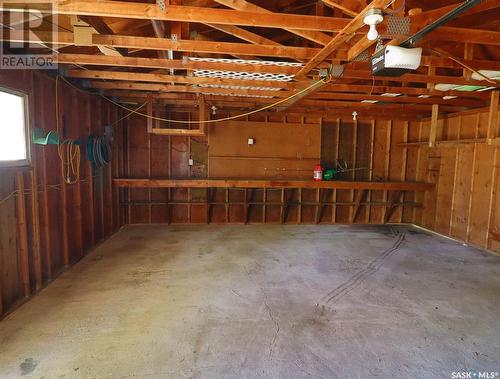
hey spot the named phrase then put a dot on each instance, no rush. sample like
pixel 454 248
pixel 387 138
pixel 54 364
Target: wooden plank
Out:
pixel 162 78
pixel 42 117
pixel 244 34
pixel 35 214
pixel 154 43
pixel 493 241
pixel 462 195
pixel 434 125
pixel 101 27
pixel 360 197
pixel 106 8
pixel 149 109
pixel 243 5
pixel 22 234
pixel 493 117
pixel 393 204
pixel 259 183
pixel 445 190
pixel 203 113
pixel 156 63
pixel 353 25
pixel 344 9
pixel 481 194
pixel 90 175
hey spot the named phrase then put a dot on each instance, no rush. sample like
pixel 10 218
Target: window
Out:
pixel 14 147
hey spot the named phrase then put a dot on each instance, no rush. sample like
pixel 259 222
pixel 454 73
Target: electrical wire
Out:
pixel 135 111
pixel 128 114
pixel 42 188
pixel 322 81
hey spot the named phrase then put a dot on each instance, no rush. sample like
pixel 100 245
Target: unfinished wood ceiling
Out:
pixel 242 55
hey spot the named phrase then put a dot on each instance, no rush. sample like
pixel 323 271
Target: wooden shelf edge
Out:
pixel 260 183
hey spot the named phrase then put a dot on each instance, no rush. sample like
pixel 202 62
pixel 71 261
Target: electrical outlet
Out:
pixel 191 162
pixel 251 141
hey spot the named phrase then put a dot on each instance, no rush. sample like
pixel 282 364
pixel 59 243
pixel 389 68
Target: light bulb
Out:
pixel 372 33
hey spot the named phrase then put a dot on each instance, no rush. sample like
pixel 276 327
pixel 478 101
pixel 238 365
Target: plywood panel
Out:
pixel 445 191
pixel 280 150
pixel 481 195
pixel 465 202
pixel 48 235
pixel 381 156
pixel 462 192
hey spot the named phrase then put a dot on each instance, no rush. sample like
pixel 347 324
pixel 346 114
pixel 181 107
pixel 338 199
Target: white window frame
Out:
pixel 27 137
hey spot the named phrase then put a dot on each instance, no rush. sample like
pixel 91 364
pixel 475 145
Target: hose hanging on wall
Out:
pixel 99 150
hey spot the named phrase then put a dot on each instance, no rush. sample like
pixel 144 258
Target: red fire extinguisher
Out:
pixel 318 172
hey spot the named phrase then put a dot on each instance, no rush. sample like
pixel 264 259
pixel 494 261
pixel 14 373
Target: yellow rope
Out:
pixel 322 81
pixel 68 150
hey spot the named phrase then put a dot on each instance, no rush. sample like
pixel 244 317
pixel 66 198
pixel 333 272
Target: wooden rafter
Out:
pixel 243 5
pixel 354 25
pixel 107 8
pixel 102 28
pixel 161 78
pixel 154 63
pixel 152 43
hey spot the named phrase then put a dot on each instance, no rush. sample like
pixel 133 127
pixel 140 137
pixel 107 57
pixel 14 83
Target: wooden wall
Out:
pixel 286 147
pixel 464 204
pixel 280 150
pixel 48 225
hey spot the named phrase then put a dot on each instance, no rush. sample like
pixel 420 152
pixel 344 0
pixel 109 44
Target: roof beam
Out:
pixel 124 9
pixel 419 78
pixel 152 43
pixel 344 9
pixel 429 16
pixel 243 34
pixel 155 63
pixel 161 78
pixel 158 87
pixel 243 5
pixel 355 24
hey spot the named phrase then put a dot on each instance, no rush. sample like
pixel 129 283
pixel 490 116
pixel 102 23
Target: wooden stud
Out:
pixel 493 117
pixel 360 197
pixel 394 203
pixel 434 125
pixel 90 174
pixel 22 234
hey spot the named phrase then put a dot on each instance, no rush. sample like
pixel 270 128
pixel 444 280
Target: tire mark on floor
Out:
pixel 358 278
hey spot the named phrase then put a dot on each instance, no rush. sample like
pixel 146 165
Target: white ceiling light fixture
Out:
pixel 372 18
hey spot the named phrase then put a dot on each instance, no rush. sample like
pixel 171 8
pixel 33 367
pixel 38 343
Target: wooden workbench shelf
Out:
pixel 266 183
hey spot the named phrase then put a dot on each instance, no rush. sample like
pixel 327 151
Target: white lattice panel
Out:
pixel 238 95
pixel 245 61
pixel 239 87
pixel 244 75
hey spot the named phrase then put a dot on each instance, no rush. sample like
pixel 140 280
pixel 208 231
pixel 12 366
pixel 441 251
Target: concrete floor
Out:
pixel 263 301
